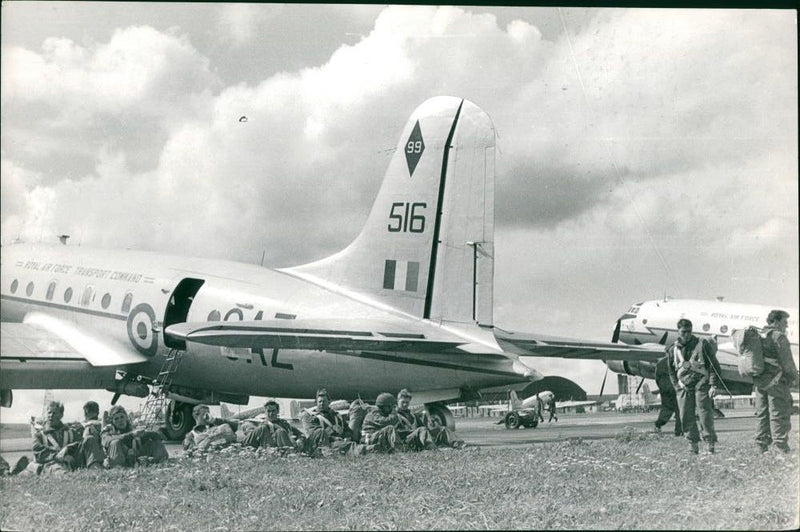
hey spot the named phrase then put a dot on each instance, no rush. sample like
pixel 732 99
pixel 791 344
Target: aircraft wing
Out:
pixel 41 336
pixel 572 404
pixel 527 344
pixel 319 334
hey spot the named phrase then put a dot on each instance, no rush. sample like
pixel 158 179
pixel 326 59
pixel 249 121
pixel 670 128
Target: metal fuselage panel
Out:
pixel 122 295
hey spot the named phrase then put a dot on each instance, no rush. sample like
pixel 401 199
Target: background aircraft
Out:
pixel 408 304
pixel 655 322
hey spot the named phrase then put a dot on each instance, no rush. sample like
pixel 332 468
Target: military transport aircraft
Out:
pixel 408 304
pixel 656 321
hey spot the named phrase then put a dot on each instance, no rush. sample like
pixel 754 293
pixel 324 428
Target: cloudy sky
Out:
pixel 642 152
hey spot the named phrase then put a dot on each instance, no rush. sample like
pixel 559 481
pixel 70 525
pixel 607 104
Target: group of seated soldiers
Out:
pixel 59 447
pixel 388 426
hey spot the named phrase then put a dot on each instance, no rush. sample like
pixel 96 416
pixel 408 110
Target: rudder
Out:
pixel 427 246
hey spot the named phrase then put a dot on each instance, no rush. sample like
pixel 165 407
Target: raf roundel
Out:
pixel 140 329
pixel 414 148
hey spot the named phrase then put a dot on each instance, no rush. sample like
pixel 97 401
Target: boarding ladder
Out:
pixel 154 412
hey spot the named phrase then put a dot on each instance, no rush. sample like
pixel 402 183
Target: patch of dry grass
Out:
pixel 635 481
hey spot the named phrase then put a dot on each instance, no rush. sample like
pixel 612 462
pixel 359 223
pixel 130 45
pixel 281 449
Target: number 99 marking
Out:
pixel 414 146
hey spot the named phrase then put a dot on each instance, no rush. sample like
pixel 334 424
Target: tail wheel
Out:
pixel 512 420
pixel 179 420
pixel 441 415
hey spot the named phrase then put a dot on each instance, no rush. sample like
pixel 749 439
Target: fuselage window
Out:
pixel 106 301
pixel 29 288
pixel 723 329
pixel 213 315
pixel 67 295
pixel 706 327
pixel 88 295
pixel 126 303
pixel 644 321
pixel 14 285
pixel 51 288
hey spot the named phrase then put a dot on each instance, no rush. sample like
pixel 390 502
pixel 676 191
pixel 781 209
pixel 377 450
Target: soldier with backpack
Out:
pixel 773 384
pixel 695 374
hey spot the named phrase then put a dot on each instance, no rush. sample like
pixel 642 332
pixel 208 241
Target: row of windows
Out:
pixel 706 327
pixel 87 297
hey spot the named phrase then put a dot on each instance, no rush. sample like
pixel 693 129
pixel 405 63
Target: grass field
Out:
pixel 635 481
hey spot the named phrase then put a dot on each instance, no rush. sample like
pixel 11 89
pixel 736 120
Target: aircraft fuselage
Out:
pixel 125 298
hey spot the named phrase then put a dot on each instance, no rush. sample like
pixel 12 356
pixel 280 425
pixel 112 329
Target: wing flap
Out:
pixel 525 344
pixel 321 335
pixel 42 336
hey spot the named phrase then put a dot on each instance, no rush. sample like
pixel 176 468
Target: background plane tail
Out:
pixel 427 247
pixel 515 401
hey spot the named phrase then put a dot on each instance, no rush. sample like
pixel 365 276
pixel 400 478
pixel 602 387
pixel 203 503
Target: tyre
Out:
pixel 179 420
pixel 512 420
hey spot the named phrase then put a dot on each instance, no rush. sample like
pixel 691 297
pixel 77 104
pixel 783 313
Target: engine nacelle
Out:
pixel 638 368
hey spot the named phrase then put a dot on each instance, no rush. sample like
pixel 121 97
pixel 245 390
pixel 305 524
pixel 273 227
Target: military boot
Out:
pixel 710 447
pixel 783 447
pixel 762 448
pixel 694 449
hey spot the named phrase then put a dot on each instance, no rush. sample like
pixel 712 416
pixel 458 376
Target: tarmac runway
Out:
pixel 592 426
pixel 485 432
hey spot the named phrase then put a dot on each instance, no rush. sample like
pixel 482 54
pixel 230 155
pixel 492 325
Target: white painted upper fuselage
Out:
pixel 113 294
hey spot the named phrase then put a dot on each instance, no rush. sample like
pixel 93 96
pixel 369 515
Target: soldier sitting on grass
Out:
pixel 378 431
pixel 124 445
pixel 325 428
pixel 91 453
pixel 55 445
pixel 274 431
pixel 412 429
pixel 208 433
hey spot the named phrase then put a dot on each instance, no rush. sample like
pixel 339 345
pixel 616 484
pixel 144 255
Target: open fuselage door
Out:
pixel 178 308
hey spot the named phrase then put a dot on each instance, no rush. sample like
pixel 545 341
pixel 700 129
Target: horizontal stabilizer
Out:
pixel 526 344
pixel 320 335
pixel 44 336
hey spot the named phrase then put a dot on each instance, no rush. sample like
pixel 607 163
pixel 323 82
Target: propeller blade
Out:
pixel 615 336
pixel 640 386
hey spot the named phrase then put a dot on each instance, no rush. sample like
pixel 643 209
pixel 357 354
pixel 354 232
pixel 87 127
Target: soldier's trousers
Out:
pixel 121 455
pixel 384 440
pixel 445 437
pixel 669 405
pixel 417 439
pixel 693 401
pixel 263 436
pixel 773 410
pixel 90 452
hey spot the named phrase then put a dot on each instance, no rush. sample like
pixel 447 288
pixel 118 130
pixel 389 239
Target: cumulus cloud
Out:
pixel 239 23
pixel 639 151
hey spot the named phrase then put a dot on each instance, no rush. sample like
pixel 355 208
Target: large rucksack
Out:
pixel 356 414
pixel 751 351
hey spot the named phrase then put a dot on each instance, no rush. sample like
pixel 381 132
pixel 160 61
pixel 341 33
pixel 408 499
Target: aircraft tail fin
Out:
pixel 427 247
pixel 515 401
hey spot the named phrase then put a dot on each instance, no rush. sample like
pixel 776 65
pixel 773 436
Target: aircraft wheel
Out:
pixel 179 420
pixel 512 420
pixel 535 423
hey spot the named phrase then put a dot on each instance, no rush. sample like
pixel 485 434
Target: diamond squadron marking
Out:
pixel 414 148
